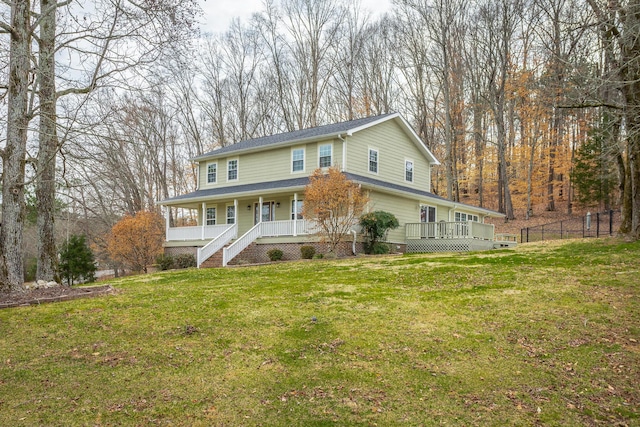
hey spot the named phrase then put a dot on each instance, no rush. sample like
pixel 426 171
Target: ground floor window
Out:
pixel 462 217
pixel 211 216
pixel 296 209
pixel 427 213
pixel 231 214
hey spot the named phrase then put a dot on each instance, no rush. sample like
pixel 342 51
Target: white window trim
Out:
pixel 207 172
pixel 435 208
pixel 413 170
pixel 291 201
pixel 237 170
pixel 215 218
pixel 304 159
pixel 377 160
pixel 226 214
pixel 330 144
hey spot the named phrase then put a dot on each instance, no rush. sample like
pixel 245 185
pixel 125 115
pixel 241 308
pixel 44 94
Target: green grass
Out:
pixel 547 334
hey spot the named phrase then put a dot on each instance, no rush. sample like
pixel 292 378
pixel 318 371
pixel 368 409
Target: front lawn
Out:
pixel 546 334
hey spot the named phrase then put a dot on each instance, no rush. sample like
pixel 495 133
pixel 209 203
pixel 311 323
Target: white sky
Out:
pixel 218 13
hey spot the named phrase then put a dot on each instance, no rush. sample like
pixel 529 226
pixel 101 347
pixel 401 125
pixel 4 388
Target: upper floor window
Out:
pixel 231 214
pixel 211 216
pixel 212 173
pixel 408 170
pixel 232 170
pixel 297 160
pixel 324 155
pixel 373 160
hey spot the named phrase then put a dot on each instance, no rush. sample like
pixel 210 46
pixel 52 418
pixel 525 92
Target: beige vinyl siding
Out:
pixel 268 165
pixel 405 210
pixel 394 147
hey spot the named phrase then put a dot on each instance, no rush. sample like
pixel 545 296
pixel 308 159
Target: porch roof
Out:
pixel 295 184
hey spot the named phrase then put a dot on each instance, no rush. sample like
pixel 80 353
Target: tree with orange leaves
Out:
pixel 136 240
pixel 334 203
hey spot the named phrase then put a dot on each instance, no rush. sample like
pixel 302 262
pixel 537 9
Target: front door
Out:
pixel 266 213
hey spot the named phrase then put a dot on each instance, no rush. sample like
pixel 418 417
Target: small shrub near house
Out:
pixel 376 225
pixel 274 254
pixel 164 262
pixel 185 261
pixel 307 252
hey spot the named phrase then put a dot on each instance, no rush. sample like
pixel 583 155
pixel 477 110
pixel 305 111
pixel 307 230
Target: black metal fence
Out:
pixel 597 224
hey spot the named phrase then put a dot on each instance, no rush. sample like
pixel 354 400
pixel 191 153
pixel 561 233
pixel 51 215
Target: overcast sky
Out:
pixel 218 13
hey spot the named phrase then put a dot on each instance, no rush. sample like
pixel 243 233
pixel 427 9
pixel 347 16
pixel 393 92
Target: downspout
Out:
pixel 344 153
pixel 353 247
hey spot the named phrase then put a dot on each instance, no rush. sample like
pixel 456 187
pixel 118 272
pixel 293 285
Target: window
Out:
pixel 463 217
pixel 211 216
pixel 212 173
pixel 296 209
pixel 427 214
pixel 324 155
pixel 232 170
pixel 297 160
pixel 231 214
pixel 408 170
pixel 373 160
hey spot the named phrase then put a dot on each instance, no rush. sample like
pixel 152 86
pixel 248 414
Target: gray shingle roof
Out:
pixel 303 181
pixel 297 135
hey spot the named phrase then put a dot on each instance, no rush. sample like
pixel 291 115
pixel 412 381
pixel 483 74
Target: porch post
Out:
pixel 260 209
pixel 235 211
pixel 167 216
pixel 204 217
pixel 295 214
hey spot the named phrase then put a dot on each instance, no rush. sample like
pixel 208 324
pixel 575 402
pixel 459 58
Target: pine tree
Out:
pixel 76 261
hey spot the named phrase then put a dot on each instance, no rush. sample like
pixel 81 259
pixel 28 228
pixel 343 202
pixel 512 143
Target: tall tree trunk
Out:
pixel 13 156
pixel 48 145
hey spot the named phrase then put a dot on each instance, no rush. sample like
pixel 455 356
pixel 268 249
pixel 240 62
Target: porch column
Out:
pixel 235 211
pixel 204 217
pixel 260 209
pixel 167 222
pixel 295 214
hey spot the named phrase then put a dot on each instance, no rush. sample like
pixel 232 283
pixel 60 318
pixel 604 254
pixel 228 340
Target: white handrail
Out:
pixel 217 243
pixel 241 244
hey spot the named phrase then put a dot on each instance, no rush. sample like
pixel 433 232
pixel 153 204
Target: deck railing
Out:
pixel 216 244
pixel 449 230
pixel 196 232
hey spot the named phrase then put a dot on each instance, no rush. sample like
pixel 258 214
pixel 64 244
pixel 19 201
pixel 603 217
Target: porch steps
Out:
pixel 215 260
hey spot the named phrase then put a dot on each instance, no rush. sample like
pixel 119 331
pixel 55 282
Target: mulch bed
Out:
pixel 58 293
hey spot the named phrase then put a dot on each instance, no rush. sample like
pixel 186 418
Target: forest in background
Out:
pixel 526 103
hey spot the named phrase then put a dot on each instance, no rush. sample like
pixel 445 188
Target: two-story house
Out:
pixel 250 194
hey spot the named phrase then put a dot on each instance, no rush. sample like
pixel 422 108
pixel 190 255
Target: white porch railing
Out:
pixel 266 229
pixel 196 232
pixel 241 244
pixel 217 243
pixel 450 230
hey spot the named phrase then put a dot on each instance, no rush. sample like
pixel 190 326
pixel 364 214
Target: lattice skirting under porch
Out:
pixel 447 245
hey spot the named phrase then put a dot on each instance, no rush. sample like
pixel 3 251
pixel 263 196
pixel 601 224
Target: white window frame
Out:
pixel 215 215
pixel 292 213
pixel 330 155
pixel 232 218
pixel 463 217
pixel 428 207
pixel 293 159
pixel 237 169
pixel 377 161
pixel 413 170
pixel 215 174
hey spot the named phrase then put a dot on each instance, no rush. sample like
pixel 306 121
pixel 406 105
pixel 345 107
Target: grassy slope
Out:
pixel 546 334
